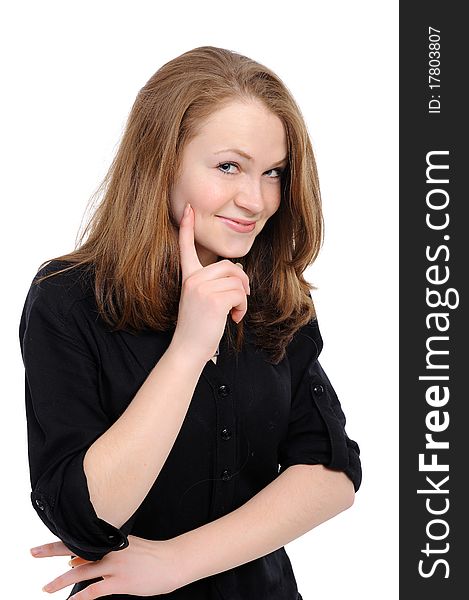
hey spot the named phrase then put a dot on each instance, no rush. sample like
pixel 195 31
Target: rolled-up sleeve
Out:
pixel 64 417
pixel 316 431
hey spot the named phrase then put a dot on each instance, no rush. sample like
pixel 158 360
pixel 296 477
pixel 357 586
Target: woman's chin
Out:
pixel 231 256
pixel 237 251
pixel 221 254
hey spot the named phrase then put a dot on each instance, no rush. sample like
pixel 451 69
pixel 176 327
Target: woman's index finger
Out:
pixel 189 258
pixel 51 549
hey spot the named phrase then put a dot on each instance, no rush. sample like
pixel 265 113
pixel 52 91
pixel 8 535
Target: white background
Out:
pixel 71 71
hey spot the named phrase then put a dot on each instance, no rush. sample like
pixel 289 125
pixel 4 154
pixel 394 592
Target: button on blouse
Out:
pixel 247 422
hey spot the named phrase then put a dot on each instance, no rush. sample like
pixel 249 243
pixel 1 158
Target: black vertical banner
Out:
pixel 434 273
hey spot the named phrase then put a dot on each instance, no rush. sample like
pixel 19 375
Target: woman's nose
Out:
pixel 250 197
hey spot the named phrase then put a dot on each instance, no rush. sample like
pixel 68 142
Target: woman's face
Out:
pixel 219 182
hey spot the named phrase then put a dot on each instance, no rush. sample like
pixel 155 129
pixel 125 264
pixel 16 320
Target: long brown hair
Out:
pixel 131 238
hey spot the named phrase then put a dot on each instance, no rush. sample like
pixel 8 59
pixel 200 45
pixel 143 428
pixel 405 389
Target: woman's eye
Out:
pixel 279 172
pixel 227 164
pixel 230 164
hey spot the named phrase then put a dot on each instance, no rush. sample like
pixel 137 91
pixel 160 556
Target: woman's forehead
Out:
pixel 248 129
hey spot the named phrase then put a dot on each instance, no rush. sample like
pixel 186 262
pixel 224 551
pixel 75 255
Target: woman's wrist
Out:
pixel 167 552
pixel 179 549
pixel 185 355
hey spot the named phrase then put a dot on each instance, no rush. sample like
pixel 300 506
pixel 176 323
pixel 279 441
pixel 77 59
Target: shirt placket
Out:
pixel 225 439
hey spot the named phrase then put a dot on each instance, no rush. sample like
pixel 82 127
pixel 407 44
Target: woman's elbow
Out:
pixel 333 485
pixel 342 488
pixel 350 493
pixel 347 490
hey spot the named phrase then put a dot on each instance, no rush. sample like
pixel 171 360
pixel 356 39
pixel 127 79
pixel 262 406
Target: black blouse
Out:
pixel 247 422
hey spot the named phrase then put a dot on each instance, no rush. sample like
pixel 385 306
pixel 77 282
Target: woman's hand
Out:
pixel 208 294
pixel 144 568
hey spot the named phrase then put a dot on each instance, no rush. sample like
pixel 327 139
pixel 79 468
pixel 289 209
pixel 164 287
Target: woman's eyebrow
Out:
pixel 241 153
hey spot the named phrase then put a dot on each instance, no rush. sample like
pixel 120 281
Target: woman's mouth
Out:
pixel 235 225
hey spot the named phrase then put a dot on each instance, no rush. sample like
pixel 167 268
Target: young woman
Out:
pixel 181 428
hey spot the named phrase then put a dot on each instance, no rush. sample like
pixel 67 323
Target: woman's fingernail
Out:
pixel 35 551
pixel 186 210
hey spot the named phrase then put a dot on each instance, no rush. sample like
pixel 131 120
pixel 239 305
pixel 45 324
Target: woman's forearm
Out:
pixel 298 500
pixel 125 461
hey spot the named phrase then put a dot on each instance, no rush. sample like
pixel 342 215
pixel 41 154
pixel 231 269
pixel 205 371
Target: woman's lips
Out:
pixel 239 227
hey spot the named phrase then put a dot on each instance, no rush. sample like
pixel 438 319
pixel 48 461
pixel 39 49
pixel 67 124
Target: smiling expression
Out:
pixel 231 170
